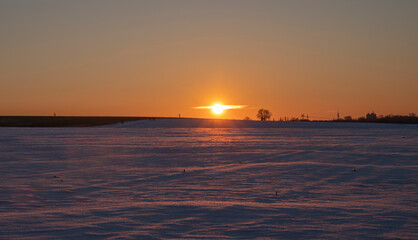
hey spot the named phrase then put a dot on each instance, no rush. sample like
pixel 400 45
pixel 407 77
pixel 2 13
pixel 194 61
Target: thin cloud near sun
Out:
pixel 219 108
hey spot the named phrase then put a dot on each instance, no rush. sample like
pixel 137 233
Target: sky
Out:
pixel 164 58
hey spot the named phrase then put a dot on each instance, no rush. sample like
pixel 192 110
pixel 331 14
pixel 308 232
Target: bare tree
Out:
pixel 264 114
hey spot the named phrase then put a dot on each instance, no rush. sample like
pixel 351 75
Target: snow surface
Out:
pixel 172 179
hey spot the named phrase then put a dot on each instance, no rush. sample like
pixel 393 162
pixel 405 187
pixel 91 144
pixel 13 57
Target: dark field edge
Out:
pixel 84 121
pixel 61 121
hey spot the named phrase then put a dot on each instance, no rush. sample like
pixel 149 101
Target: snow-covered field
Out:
pixel 161 179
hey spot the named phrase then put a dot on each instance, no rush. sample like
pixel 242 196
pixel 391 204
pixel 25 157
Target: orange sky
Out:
pixel 162 58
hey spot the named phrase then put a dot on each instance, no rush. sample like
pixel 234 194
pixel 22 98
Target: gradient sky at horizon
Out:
pixel 162 58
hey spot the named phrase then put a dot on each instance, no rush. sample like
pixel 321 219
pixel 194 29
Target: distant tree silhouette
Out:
pixel 247 118
pixel 264 114
pixel 371 116
pixel 348 118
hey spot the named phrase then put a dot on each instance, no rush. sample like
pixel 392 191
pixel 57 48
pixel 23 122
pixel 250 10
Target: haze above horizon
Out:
pixel 164 58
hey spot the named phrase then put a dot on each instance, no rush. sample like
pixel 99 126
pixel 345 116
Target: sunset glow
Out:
pixel 290 57
pixel 219 108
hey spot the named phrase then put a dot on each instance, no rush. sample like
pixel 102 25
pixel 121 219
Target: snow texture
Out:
pixel 186 178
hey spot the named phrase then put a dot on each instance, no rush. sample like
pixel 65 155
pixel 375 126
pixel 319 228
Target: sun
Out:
pixel 218 108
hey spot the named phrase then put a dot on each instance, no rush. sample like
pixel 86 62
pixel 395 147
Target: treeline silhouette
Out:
pixel 373 118
pixel 412 118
